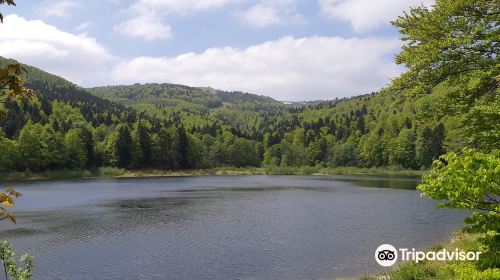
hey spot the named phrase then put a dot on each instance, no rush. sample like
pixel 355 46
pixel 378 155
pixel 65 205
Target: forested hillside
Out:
pixel 200 109
pixel 169 126
pixel 50 89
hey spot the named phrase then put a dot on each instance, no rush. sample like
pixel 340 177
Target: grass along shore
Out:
pixel 443 270
pixel 112 172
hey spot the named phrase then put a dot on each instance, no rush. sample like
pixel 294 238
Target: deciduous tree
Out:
pixel 456 44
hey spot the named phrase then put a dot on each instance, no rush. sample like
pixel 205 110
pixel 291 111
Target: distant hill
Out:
pixel 54 88
pixel 174 95
pixel 212 128
pixel 198 107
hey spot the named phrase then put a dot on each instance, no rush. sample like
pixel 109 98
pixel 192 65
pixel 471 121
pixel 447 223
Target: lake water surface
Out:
pixel 248 227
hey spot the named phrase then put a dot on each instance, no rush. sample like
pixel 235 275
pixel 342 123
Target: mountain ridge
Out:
pixel 213 128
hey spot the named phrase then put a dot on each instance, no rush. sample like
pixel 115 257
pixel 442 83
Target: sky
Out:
pixel 291 50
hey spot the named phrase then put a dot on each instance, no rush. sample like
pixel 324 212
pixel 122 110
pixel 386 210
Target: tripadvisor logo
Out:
pixel 387 255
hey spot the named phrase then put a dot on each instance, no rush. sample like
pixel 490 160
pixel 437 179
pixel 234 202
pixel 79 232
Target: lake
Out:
pixel 246 227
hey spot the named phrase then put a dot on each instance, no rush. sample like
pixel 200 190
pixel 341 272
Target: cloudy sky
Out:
pixel 286 49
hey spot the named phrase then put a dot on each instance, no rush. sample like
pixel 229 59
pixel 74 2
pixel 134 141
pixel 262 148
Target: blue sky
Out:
pixel 286 49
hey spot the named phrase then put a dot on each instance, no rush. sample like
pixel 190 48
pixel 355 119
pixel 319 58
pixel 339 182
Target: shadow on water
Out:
pixel 20 231
pixel 382 182
pixel 132 215
pixel 243 189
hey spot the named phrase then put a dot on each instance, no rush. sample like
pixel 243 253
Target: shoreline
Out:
pixel 449 269
pixel 111 172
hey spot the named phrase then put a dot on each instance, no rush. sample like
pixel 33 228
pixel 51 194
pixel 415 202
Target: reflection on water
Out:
pixel 252 227
pixel 407 183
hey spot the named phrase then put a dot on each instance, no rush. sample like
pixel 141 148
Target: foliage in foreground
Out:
pixel 7 200
pixel 16 271
pixel 456 270
pixel 423 271
pixel 11 84
pixel 455 44
pixel 471 181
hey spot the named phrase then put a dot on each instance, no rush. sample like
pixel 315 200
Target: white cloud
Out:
pixel 178 6
pixel 364 15
pixel 59 9
pixel 148 27
pixel 83 26
pixel 271 12
pixel 261 16
pixel 147 16
pixel 78 58
pixel 286 69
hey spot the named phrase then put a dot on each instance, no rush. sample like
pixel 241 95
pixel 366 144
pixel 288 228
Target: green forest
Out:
pixel 441 115
pixel 167 126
